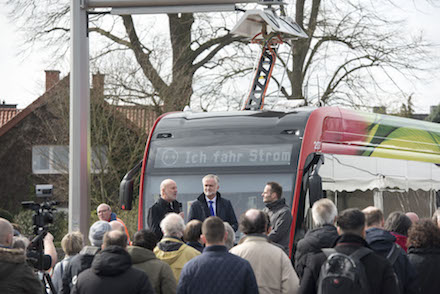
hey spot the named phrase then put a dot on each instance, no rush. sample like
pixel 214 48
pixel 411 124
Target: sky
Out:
pixel 22 77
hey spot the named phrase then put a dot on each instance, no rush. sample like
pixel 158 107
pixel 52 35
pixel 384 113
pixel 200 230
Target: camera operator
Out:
pixel 50 250
pixel 15 275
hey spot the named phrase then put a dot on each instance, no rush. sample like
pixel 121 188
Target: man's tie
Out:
pixel 211 207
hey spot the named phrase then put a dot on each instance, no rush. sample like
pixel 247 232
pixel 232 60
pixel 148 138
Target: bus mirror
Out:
pixel 126 194
pixel 315 188
pixel 126 188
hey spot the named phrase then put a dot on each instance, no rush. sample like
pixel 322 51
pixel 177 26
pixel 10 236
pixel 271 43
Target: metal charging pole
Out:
pixel 79 160
pixel 79 147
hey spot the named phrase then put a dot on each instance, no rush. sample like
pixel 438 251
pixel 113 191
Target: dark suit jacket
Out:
pixel 200 210
pixel 157 212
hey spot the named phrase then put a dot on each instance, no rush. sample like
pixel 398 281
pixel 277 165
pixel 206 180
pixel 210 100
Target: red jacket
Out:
pixel 400 240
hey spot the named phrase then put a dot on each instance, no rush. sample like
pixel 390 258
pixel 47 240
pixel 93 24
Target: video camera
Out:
pixel 42 218
pixel 42 214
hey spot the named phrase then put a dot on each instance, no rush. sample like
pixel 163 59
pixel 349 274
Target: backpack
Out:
pixel 343 273
pixel 393 254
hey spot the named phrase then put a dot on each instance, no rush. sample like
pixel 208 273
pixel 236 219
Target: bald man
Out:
pixel 412 216
pixel 15 275
pixel 165 204
pixel 105 213
pixel 272 267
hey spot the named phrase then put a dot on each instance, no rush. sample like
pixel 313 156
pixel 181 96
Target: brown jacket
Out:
pixel 15 275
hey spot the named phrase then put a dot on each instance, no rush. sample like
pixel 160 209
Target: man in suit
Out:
pixel 211 203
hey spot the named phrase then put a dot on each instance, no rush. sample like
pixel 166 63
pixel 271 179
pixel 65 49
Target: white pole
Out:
pixel 79 162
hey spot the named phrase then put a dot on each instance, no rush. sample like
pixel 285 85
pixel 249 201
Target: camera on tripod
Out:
pixel 41 219
pixel 43 215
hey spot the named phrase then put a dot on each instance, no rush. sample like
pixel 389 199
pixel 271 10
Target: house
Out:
pixel 34 144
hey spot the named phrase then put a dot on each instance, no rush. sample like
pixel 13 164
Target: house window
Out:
pixel 54 159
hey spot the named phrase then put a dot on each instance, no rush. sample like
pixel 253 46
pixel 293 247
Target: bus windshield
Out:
pixel 245 159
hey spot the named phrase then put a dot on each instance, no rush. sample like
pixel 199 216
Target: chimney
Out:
pixel 98 84
pixel 4 105
pixel 52 77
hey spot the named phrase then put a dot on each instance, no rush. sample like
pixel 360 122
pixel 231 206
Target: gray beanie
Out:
pixel 97 231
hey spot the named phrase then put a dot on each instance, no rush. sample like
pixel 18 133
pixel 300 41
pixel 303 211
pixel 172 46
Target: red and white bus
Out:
pixel 247 149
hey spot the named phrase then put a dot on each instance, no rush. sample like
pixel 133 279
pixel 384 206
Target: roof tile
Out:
pixel 7 114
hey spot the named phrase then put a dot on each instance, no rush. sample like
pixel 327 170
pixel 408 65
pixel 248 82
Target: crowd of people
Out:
pixel 353 251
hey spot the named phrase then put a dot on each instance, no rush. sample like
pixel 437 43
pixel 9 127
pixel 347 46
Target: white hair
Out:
pixel 230 240
pixel 211 176
pixel 104 205
pixel 324 212
pixel 172 225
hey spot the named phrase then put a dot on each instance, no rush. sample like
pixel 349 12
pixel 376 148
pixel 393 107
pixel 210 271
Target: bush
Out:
pixel 130 218
pixel 6 215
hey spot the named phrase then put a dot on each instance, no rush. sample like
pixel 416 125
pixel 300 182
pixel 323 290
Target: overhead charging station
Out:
pixel 260 26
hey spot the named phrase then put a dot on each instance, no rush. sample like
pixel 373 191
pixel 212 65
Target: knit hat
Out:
pixel 97 231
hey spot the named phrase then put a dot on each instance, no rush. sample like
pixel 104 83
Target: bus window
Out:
pixel 243 190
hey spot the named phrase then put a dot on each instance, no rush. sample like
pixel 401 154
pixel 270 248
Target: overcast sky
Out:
pixel 22 78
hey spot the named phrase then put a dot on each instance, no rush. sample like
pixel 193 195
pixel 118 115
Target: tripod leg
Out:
pixel 47 280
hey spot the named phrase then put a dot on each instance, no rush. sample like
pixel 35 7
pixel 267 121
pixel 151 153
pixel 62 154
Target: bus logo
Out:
pixel 169 157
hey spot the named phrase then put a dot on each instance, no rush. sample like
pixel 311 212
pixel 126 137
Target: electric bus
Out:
pixel 303 150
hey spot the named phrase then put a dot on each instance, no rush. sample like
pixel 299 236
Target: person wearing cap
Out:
pixel 84 259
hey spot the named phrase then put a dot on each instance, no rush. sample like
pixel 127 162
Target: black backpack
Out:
pixel 393 254
pixel 343 273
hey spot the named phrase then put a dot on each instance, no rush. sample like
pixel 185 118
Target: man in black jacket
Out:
pixel 378 271
pixel 165 204
pixel 324 214
pixel 382 242
pixel 211 203
pixel 112 271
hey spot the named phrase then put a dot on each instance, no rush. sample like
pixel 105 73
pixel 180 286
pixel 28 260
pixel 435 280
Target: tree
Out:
pixel 434 116
pixel 170 89
pixel 352 48
pixel 407 109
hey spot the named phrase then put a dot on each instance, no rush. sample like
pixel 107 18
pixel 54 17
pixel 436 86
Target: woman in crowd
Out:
pixel 72 243
pixel 424 254
pixel 398 224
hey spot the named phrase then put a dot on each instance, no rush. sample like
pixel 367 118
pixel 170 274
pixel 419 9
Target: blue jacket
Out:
pixel 216 271
pixel 381 242
pixel 200 210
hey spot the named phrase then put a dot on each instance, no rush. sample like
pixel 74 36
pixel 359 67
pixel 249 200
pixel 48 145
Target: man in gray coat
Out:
pixel 279 214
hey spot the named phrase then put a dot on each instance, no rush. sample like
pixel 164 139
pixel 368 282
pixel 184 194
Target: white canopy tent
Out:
pixel 390 184
pixel 350 173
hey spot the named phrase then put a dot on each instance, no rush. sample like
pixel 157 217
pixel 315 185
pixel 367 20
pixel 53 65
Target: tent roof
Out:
pixel 350 173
